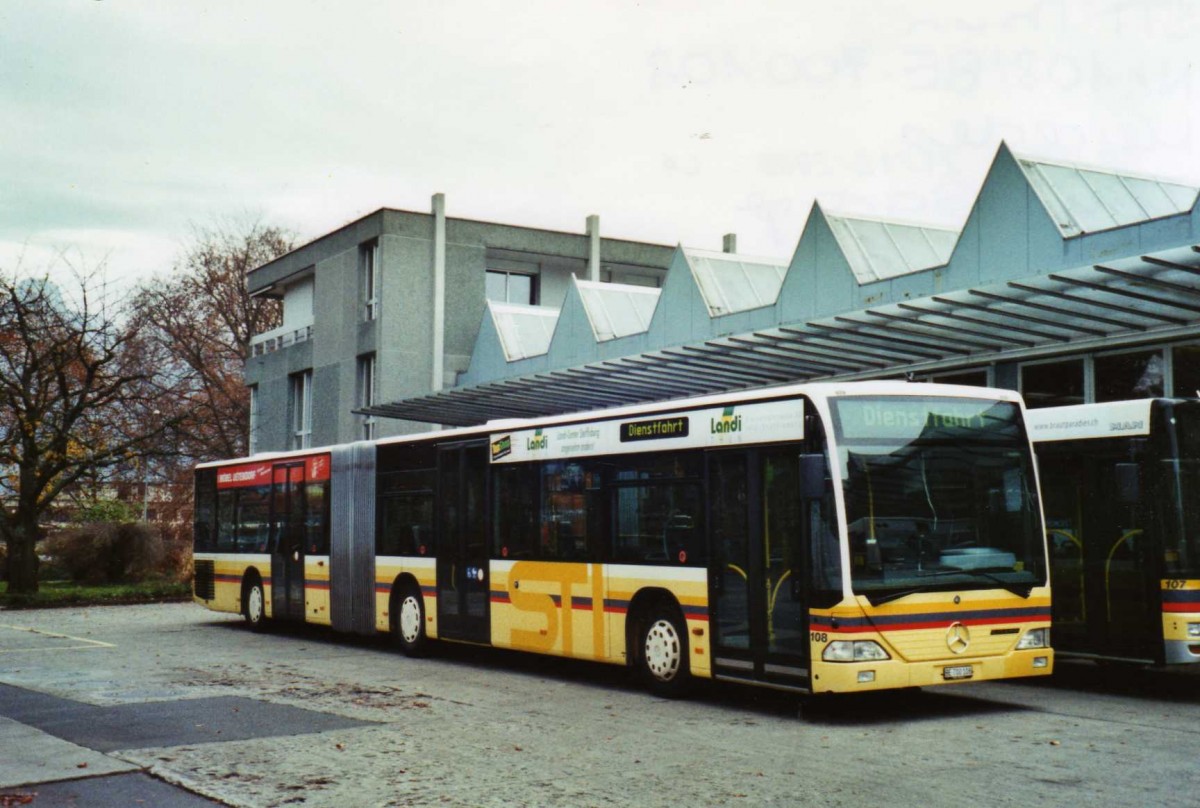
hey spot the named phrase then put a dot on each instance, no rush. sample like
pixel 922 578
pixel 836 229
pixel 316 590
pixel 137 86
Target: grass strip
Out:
pixel 53 594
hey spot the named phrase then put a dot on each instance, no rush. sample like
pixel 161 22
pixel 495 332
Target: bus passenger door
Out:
pixel 757 573
pixel 462 552
pixel 1122 583
pixel 1062 484
pixel 1101 565
pixel 287 541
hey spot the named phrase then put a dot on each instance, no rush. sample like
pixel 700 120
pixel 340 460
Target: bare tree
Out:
pixel 199 321
pixel 78 396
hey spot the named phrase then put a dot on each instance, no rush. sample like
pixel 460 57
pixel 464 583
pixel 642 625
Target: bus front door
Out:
pixel 462 555
pixel 1121 579
pixel 756 580
pixel 287 541
pixel 1100 557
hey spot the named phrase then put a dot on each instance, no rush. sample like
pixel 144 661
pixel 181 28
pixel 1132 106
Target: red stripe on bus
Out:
pixel 918 625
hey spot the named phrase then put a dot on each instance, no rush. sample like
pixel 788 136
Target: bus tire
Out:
pixel 663 653
pixel 254 605
pixel 408 622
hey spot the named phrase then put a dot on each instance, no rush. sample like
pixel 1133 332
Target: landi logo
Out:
pixel 728 422
pixel 502 447
pixel 538 442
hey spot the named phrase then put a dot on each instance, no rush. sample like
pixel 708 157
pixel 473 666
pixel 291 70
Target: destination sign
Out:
pixel 658 429
pixel 250 475
pixel 910 417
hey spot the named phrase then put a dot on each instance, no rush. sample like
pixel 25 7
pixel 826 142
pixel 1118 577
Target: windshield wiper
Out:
pixel 879 600
pixel 1020 590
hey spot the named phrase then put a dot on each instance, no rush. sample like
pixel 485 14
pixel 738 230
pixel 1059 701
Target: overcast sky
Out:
pixel 126 122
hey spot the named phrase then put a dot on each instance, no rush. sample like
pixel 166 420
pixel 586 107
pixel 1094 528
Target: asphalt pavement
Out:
pixel 173 705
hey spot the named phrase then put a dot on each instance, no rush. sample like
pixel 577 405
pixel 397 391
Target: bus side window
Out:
pixel 565 519
pixel 405 526
pixel 659 522
pixel 227 520
pixel 515 511
pixel 204 520
pixel 316 519
pixel 253 519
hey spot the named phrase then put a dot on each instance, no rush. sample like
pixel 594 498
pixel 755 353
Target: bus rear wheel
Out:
pixel 254 606
pixel 663 654
pixel 408 624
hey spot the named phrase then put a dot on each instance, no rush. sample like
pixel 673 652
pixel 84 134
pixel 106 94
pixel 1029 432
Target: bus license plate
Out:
pixel 958 672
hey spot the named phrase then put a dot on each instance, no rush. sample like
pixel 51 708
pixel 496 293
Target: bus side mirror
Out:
pixel 1129 483
pixel 812 476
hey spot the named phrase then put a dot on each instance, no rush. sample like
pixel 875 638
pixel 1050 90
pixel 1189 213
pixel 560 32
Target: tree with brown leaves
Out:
pixel 79 396
pixel 200 320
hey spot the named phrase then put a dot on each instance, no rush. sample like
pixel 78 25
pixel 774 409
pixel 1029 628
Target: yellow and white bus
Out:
pixel 1121 486
pixel 821 538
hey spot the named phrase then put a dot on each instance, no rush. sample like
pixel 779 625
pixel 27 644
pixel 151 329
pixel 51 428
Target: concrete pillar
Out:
pixel 439 292
pixel 729 243
pixel 593 230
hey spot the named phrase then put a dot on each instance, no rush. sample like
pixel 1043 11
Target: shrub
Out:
pixel 177 560
pixel 107 553
pixel 106 511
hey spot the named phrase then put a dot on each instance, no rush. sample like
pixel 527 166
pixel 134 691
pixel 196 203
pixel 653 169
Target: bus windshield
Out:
pixel 939 494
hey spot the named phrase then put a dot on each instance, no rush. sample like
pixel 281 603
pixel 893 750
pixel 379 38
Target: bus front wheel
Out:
pixel 254 606
pixel 409 623
pixel 663 654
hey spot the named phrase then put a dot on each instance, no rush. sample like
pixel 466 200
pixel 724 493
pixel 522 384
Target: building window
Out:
pixel 511 287
pixel 368 269
pixel 631 279
pixel 971 378
pixel 1053 384
pixel 366 393
pixel 300 406
pixel 1185 371
pixel 254 403
pixel 1137 374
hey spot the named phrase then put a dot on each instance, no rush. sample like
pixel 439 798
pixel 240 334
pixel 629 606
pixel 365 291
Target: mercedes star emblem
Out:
pixel 958 637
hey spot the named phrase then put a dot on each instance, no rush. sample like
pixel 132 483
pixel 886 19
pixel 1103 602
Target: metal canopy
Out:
pixel 1155 296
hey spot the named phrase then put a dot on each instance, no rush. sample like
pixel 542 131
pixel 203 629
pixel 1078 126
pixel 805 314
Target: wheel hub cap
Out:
pixel 663 651
pixel 410 619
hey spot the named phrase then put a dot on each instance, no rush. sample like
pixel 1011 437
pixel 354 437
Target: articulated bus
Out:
pixel 818 538
pixel 1121 492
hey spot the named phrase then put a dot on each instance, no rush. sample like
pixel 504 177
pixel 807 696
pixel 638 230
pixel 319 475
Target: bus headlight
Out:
pixel 1035 638
pixel 1194 629
pixel 854 651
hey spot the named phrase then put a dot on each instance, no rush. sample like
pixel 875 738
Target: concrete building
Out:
pixel 389 307
pixel 1067 283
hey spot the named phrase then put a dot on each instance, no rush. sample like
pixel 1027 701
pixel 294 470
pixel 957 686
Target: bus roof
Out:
pixel 818 390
